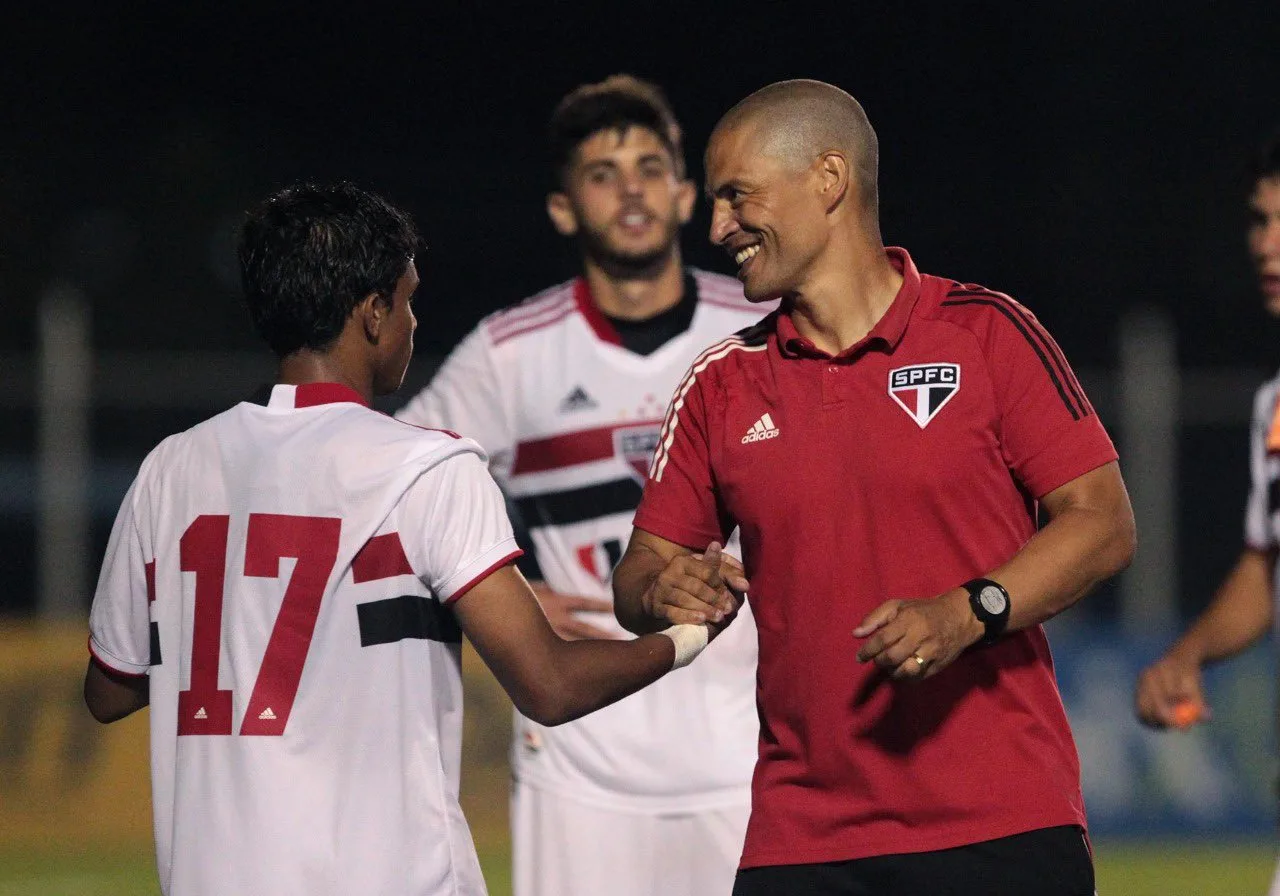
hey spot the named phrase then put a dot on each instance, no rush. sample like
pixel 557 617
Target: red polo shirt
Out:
pixel 901 468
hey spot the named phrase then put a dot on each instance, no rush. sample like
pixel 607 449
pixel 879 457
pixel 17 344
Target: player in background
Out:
pixel 287 584
pixel 1170 692
pixel 566 391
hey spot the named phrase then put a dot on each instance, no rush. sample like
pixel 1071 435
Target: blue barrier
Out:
pixel 1217 778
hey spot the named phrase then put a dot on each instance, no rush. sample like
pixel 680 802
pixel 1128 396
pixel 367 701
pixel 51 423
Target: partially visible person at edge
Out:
pixel 565 392
pixel 883 442
pixel 287 585
pixel 1170 692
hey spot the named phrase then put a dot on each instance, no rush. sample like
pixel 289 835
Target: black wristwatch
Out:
pixel 990 603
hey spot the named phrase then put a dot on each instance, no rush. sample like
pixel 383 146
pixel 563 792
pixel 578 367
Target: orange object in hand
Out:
pixel 1185 714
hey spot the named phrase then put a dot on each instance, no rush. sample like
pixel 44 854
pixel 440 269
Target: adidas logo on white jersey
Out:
pixel 577 400
pixel 267 714
pixel 201 714
pixel 760 430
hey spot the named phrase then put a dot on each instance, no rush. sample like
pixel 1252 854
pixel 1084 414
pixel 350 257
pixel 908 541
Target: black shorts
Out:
pixel 1047 862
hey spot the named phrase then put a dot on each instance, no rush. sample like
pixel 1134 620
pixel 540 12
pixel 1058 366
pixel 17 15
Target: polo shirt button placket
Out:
pixel 829 394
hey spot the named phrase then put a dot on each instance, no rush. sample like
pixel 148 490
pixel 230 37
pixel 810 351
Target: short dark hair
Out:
pixel 617 103
pixel 1266 162
pixel 309 254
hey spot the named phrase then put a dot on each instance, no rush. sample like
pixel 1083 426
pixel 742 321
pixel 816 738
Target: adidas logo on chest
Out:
pixel 577 400
pixel 760 430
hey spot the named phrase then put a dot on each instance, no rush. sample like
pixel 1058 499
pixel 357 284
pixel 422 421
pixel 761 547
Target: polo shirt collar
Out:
pixel 888 331
pixel 307 395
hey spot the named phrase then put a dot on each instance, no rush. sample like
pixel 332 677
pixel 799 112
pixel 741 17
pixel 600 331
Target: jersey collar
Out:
pixel 594 317
pixel 307 395
pixel 607 331
pixel 888 331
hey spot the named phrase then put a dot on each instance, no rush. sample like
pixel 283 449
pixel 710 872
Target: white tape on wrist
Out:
pixel 690 640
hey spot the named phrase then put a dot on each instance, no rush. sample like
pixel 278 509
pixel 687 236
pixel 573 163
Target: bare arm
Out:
pixel 1240 613
pixel 660 583
pixel 111 696
pixel 1090 537
pixel 551 680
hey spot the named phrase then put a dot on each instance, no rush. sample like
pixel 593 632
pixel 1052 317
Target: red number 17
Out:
pixel 313 542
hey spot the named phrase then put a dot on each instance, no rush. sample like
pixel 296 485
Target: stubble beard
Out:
pixel 628 265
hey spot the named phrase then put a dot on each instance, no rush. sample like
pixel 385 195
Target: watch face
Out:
pixel 993 600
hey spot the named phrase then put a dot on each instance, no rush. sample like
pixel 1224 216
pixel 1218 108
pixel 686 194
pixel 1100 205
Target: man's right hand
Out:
pixel 560 610
pixel 697 588
pixel 1170 693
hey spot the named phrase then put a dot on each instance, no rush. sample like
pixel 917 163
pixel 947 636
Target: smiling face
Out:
pixel 766 213
pixel 1264 239
pixel 623 199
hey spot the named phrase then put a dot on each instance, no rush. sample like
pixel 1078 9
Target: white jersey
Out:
pixel 1262 513
pixel 283 574
pixel 570 419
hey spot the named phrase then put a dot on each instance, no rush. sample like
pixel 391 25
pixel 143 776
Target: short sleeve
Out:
pixel 120 619
pixel 455 528
pixel 679 502
pixel 466 396
pixel 1258 531
pixel 1049 431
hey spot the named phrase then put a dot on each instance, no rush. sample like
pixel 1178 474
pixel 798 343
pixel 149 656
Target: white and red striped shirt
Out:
pixel 570 419
pixel 283 574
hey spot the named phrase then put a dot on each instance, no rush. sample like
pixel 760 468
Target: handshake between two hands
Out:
pixel 698 589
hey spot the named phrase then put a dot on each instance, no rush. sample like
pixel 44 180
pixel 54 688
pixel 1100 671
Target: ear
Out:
pixel 833 178
pixel 372 312
pixel 560 211
pixel 686 196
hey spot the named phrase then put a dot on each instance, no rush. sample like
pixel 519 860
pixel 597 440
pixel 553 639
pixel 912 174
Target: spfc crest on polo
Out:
pixel 923 389
pixel 635 445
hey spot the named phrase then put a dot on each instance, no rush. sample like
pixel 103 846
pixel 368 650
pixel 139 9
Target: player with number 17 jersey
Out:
pixel 283 572
pixel 287 586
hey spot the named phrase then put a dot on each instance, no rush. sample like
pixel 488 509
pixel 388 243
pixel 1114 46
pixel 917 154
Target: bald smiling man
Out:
pixel 884 441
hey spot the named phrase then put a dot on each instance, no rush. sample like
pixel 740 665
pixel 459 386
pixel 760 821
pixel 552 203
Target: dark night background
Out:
pixel 1085 157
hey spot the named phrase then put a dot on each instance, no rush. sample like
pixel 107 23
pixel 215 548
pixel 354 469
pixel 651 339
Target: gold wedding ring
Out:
pixel 920 661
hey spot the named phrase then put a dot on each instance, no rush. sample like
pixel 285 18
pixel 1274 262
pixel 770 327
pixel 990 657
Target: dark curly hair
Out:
pixel 309 254
pixel 617 103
